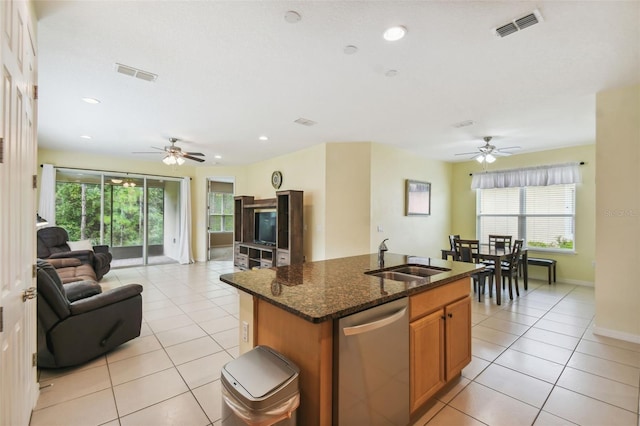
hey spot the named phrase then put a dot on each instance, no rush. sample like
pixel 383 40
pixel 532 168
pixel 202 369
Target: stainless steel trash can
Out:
pixel 260 388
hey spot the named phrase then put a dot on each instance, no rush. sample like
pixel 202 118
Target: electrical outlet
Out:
pixel 380 228
pixel 245 331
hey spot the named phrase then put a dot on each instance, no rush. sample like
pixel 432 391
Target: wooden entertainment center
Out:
pixel 249 254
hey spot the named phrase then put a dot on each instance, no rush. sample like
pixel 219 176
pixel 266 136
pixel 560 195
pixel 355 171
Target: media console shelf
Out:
pixel 288 245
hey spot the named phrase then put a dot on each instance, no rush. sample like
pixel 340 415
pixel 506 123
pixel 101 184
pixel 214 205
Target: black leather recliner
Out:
pixel 52 244
pixel 77 322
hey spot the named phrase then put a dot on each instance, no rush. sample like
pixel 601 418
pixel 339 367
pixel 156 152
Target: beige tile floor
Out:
pixel 535 361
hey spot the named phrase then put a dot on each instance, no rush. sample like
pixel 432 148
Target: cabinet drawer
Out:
pixel 430 300
pixel 242 260
pixel 266 263
pixel 283 258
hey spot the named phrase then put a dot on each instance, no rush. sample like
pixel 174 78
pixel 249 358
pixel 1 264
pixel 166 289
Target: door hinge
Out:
pixel 1 150
pixel 1 319
pixel 34 359
pixel 34 271
pixel 35 181
pixel 35 92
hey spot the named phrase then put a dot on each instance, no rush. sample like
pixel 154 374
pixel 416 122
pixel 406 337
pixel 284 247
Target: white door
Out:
pixel 18 386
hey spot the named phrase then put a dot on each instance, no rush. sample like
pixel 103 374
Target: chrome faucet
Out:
pixel 381 249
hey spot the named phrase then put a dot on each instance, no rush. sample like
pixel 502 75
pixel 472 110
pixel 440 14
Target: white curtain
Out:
pixel 184 248
pixel 532 176
pixel 47 202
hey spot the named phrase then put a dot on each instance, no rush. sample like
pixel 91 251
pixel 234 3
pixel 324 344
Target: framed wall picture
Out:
pixel 417 198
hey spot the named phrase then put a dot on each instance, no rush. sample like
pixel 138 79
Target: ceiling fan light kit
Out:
pixel 174 155
pixel 488 152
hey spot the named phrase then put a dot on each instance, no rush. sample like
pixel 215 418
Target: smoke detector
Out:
pixel 519 24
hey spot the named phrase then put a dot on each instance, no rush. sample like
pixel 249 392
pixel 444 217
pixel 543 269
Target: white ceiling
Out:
pixel 230 71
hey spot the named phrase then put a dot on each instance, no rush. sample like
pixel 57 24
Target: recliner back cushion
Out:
pixel 51 289
pixel 52 240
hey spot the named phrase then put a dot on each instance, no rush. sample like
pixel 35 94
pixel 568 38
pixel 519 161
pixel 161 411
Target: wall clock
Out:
pixel 276 179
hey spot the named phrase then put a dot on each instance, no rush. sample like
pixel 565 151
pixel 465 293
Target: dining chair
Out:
pixel 509 267
pixel 452 239
pixel 467 251
pixel 497 242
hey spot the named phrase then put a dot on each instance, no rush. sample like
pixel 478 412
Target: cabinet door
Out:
pixel 426 359
pixel 458 336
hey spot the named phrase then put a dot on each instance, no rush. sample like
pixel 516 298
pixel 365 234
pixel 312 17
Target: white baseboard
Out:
pixel 578 282
pixel 620 335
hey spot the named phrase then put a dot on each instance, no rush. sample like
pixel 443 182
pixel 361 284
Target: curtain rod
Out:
pixel 582 163
pixel 113 171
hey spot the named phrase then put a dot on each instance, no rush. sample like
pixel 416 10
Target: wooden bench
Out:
pixel 550 264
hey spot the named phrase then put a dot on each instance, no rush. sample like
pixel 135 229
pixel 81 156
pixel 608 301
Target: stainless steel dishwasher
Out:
pixel 372 357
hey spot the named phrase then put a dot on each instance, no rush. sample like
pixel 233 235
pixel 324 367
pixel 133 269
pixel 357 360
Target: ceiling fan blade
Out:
pixel 201 160
pixel 509 147
pixel 147 152
pixel 499 153
pixel 195 153
pixel 467 153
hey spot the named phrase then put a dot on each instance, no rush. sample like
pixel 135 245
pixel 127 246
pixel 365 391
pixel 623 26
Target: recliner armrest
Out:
pixel 81 289
pixel 101 249
pixel 104 299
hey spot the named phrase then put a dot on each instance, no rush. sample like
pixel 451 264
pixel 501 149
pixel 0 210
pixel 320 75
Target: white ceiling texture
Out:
pixel 231 71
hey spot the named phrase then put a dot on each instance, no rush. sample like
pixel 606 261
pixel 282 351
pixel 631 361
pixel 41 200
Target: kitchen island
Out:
pixel 296 309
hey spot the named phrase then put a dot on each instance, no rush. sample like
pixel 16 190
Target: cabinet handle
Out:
pixel 443 317
pixel 450 315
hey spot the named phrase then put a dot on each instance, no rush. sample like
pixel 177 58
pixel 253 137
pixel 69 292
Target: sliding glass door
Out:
pixel 137 216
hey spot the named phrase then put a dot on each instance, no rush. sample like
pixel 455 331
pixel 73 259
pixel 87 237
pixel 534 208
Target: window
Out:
pixel 542 216
pixel 221 212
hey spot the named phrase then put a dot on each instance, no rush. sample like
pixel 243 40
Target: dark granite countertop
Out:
pixel 330 289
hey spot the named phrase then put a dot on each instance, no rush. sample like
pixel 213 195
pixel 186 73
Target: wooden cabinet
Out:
pixel 440 339
pixel 289 231
pixel 426 360
pixel 289 224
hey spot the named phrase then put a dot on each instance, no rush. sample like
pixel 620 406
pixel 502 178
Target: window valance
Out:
pixel 532 176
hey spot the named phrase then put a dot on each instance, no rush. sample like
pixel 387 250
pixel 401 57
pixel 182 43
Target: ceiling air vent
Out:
pixel 135 72
pixel 305 122
pixel 518 24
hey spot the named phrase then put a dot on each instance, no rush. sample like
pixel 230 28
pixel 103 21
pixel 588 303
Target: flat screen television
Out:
pixel 265 228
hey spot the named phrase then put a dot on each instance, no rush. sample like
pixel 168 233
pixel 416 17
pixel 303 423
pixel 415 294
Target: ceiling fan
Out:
pixel 174 154
pixel 488 152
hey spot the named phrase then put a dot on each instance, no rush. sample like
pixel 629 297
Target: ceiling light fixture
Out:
pixel 85 136
pixel 263 138
pixel 217 156
pixel 91 101
pixel 292 17
pixel 394 33
pixel 129 184
pixel 172 159
pixel 391 73
pixel 350 49
pixel 485 157
pixel 116 181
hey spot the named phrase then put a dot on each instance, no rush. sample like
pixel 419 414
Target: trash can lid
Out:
pixel 260 372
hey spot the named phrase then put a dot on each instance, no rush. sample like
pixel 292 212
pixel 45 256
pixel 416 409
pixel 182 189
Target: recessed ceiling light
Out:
pixel 394 33
pixel 263 138
pixel 85 137
pixel 391 73
pixel 292 17
pixel 350 49
pixel 217 156
pixel 92 101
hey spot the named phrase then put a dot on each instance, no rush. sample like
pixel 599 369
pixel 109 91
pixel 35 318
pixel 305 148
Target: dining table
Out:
pixel 497 255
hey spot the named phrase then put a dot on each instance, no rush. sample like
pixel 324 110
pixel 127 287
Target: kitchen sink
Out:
pixel 408 272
